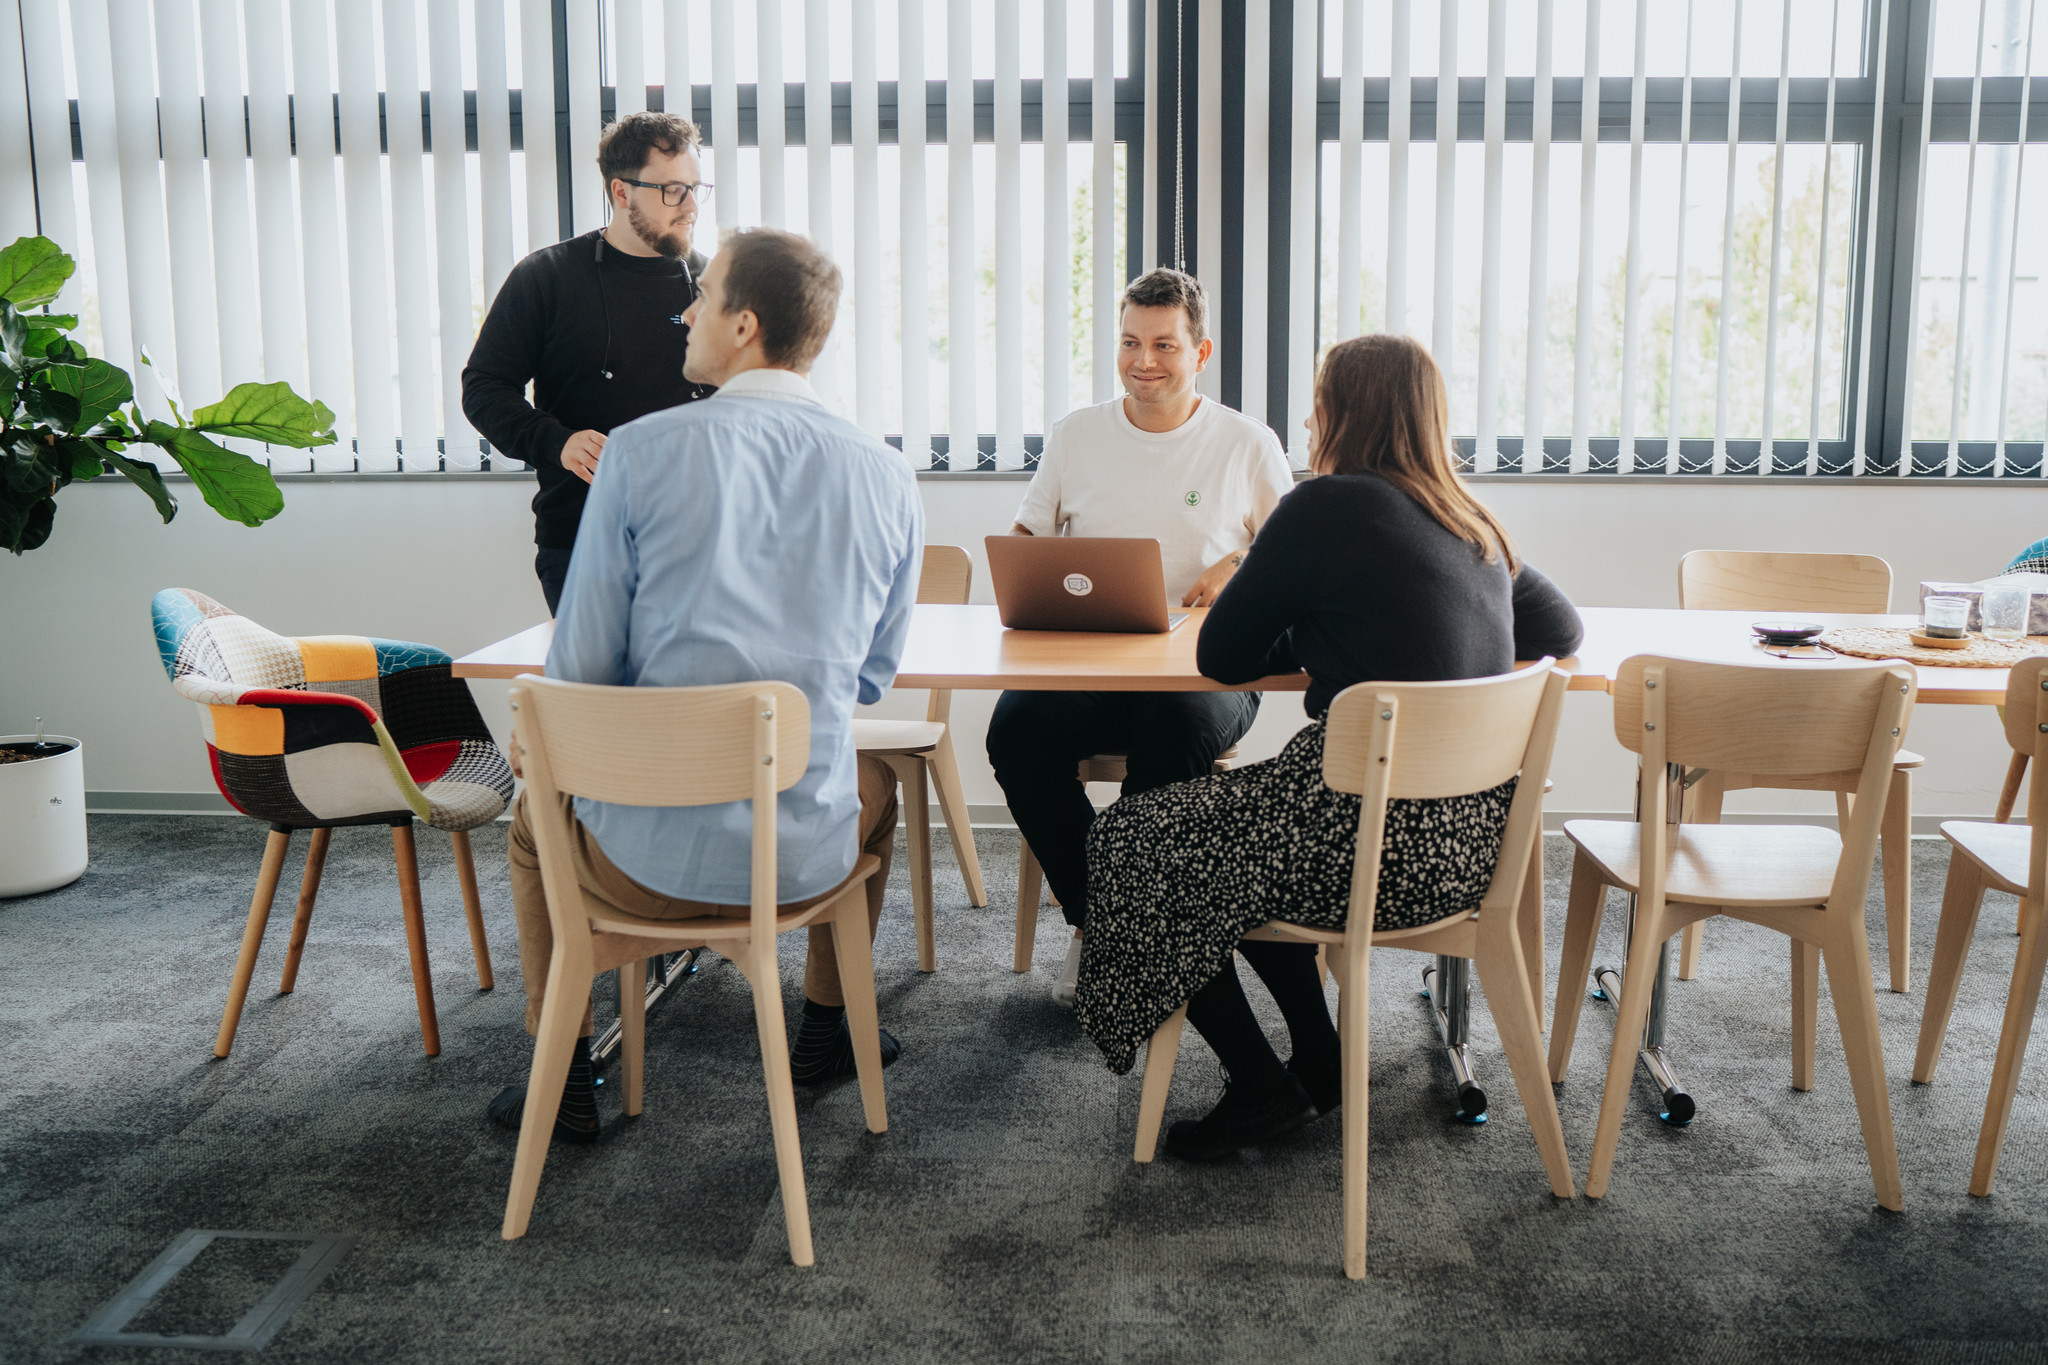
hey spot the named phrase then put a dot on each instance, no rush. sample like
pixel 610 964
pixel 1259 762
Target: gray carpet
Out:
pixel 1001 1217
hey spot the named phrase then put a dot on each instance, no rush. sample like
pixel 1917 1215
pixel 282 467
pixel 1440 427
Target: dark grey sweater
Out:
pixel 1353 581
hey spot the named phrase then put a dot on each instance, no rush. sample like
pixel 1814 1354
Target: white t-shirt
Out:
pixel 1201 490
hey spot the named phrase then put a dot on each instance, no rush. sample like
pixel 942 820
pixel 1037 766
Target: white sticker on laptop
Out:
pixel 1079 584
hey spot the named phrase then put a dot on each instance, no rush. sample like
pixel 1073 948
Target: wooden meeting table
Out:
pixel 966 648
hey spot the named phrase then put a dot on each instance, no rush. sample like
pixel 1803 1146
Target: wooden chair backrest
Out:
pixel 1783 580
pixel 1390 741
pixel 657 746
pixel 947 576
pixel 2026 729
pixel 1769 721
pixel 662 746
pixel 1826 718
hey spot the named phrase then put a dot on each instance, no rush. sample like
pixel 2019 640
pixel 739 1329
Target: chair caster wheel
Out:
pixel 1471 1105
pixel 1678 1108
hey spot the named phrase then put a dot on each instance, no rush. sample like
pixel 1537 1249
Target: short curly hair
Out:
pixel 623 150
pixel 1170 288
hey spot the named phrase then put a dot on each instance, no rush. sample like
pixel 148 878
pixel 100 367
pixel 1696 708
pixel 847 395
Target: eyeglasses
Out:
pixel 673 195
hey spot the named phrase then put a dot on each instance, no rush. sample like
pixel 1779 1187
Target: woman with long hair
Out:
pixel 1383 568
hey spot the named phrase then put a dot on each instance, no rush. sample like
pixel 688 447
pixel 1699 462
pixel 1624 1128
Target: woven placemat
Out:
pixel 1885 642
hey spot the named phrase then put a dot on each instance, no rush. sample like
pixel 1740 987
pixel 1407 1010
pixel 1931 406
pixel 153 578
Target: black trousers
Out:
pixel 1036 741
pixel 552 568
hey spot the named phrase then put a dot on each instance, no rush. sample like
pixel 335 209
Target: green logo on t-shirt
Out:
pixel 1193 499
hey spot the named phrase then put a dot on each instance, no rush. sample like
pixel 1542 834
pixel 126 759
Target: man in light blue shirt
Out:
pixel 749 536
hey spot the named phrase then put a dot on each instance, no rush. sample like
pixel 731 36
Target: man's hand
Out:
pixel 1210 585
pixel 580 452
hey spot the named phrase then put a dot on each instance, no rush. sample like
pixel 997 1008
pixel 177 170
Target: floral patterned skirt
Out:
pixel 1177 875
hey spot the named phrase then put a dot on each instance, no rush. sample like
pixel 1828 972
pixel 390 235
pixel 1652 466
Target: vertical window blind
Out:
pixel 1688 237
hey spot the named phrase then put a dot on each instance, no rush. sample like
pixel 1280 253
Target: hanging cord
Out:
pixel 1180 248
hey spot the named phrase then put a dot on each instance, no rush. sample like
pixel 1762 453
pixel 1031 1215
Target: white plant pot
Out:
pixel 42 819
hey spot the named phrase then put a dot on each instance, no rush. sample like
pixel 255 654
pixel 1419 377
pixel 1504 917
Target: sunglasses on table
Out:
pixel 674 194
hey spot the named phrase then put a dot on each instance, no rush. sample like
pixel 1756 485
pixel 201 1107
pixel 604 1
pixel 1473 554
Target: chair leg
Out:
pixel 1636 983
pixel 1030 878
pixel 309 889
pixel 1961 900
pixel 1529 918
pixel 1581 930
pixel 1805 1011
pixel 473 907
pixel 252 938
pixel 1895 847
pixel 561 1014
pixel 1706 810
pixel 1354 1032
pixel 857 980
pixel 1855 994
pixel 2015 771
pixel 945 772
pixel 407 858
pixel 1159 1058
pixel 789 1157
pixel 1517 1014
pixel 2020 1004
pixel 633 1030
pixel 917 831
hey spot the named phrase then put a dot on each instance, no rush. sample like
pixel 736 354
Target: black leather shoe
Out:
pixel 1325 1085
pixel 1242 1118
pixel 508 1109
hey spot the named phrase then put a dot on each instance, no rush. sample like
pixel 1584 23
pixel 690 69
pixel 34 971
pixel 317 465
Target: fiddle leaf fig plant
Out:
pixel 66 416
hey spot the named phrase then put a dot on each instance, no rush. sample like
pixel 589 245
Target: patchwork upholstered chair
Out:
pixel 335 730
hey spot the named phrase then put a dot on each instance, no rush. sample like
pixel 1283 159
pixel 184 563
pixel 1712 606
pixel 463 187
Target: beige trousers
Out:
pixel 607 884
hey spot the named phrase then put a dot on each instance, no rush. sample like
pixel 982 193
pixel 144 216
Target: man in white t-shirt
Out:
pixel 1160 462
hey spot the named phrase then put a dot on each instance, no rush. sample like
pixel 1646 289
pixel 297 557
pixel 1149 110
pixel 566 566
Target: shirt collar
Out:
pixel 783 385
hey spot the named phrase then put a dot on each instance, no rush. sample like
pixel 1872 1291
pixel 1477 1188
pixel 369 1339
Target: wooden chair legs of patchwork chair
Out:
pixel 1424 740
pixel 678 746
pixel 406 858
pixel 2010 858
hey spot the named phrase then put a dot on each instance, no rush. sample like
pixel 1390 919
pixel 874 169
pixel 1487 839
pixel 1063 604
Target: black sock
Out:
pixel 1289 971
pixel 823 1048
pixel 576 1120
pixel 1224 1018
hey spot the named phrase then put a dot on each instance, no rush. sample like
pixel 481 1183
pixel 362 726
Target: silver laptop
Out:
pixel 1085 583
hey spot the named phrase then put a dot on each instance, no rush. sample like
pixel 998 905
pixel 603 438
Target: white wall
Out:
pixel 449 562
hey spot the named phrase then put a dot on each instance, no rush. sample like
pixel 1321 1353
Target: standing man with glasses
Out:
pixel 596 325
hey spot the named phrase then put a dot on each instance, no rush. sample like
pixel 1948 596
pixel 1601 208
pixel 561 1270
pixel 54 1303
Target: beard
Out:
pixel 673 244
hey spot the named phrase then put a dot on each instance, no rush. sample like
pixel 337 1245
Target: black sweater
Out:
pixel 561 319
pixel 1352 580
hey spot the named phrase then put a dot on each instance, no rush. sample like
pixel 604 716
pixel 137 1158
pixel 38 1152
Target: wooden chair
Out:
pixel 1111 768
pixel 1420 741
pixel 1803 881
pixel 1764 581
pixel 913 748
pixel 2013 858
pixel 677 746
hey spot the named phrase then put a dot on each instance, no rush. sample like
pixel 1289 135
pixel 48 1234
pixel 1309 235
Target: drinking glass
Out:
pixel 1944 618
pixel 2003 609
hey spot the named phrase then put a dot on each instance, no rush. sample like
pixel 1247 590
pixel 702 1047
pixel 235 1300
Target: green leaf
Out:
pixel 23 471
pixel 14 334
pixel 144 475
pixel 270 413
pixel 15 511
pixel 51 345
pixel 32 271
pixel 99 388
pixel 47 405
pixel 233 485
pixel 42 514
pixel 86 458
pixel 166 383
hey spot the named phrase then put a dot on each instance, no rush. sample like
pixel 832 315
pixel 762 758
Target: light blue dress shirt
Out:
pixel 750 536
